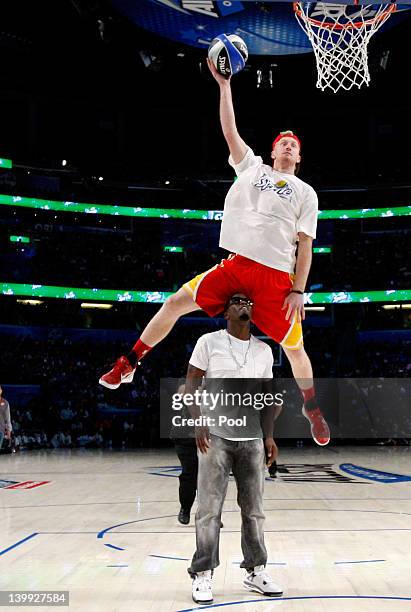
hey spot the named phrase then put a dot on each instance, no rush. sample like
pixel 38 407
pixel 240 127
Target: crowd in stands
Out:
pixel 114 261
pixel 70 410
pixel 208 190
pixel 382 359
pixel 136 260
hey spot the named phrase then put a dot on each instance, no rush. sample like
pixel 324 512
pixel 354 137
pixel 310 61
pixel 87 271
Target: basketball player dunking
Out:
pixel 267 211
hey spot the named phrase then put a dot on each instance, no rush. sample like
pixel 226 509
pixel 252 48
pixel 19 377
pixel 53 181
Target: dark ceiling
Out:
pixel 74 86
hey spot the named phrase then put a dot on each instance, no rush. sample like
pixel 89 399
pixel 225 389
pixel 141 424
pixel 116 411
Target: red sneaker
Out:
pixel 121 372
pixel 319 428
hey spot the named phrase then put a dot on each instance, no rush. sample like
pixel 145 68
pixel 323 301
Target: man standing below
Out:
pixel 268 211
pixel 186 450
pixel 5 421
pixel 232 353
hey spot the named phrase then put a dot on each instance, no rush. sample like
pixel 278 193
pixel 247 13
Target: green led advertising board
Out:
pixel 177 213
pixel 158 297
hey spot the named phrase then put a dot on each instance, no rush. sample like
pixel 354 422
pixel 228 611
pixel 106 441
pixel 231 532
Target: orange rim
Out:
pixel 344 26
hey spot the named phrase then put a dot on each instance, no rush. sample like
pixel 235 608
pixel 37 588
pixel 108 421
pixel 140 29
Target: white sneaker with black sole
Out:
pixel 259 581
pixel 202 593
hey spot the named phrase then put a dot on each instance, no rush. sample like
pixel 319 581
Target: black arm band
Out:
pixel 296 291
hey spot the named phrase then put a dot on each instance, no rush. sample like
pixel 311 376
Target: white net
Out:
pixel 339 35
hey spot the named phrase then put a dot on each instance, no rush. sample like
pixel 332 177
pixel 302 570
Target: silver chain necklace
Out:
pixel 240 366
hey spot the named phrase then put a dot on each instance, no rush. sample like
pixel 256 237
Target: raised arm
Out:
pixel 236 144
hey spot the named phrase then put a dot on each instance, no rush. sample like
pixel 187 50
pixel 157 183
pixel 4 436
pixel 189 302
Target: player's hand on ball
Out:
pixel 221 80
pixel 202 438
pixel 294 302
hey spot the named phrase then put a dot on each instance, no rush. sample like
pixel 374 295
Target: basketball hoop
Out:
pixel 339 35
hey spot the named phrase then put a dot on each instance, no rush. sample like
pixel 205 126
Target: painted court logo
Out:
pixel 287 472
pixel 375 475
pixel 27 484
pixel 311 472
pixel 210 8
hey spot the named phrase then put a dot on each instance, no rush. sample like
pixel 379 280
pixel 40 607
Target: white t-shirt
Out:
pixel 263 212
pixel 212 354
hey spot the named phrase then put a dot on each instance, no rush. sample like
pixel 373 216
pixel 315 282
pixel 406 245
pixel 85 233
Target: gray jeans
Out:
pixel 246 460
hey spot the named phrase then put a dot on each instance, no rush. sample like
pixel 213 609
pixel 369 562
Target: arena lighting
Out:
pixel 177 213
pixel 322 250
pixel 64 162
pixel 395 306
pixel 5 163
pixel 173 249
pixel 96 305
pixel 158 297
pixel 265 76
pixel 24 239
pixel 30 302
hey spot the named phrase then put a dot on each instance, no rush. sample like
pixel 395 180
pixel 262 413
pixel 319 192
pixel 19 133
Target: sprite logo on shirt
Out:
pixel 281 187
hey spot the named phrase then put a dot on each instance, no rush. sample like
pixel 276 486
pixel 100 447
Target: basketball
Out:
pixel 228 53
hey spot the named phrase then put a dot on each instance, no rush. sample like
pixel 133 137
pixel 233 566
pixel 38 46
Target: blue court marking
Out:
pixel 163 467
pixel 274 599
pixel 103 532
pixel 115 547
pixel 367 561
pixel 164 471
pixel 174 558
pixel 3 552
pixel 374 475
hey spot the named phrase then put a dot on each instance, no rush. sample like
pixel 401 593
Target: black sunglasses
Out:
pixel 240 300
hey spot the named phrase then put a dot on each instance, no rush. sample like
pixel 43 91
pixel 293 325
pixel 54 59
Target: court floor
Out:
pixel 103 526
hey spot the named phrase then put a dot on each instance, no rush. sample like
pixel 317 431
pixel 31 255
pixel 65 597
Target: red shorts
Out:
pixel 266 286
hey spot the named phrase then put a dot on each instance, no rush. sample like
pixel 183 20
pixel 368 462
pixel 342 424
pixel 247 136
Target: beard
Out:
pixel 244 317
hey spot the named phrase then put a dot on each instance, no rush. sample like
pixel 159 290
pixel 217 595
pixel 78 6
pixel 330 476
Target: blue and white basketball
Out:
pixel 228 53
